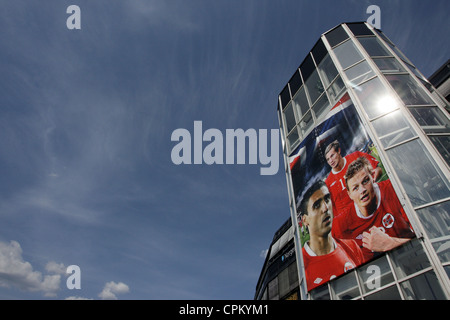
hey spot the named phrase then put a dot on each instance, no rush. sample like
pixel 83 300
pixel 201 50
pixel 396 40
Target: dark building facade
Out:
pixel 356 87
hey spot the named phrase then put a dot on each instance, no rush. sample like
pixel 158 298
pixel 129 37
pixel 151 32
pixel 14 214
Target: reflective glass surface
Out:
pixel 431 119
pixel 347 54
pixel 421 177
pixel 375 98
pixel 300 102
pixel 375 274
pixel 289 117
pixel 336 36
pixel 423 287
pixel 408 90
pixel 436 219
pixel 374 47
pixel 442 144
pixel 327 70
pixel 346 287
pixel 359 73
pixel 393 129
pixel 314 86
pixel 387 65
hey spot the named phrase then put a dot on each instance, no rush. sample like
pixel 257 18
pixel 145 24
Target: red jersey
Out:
pixel 336 182
pixel 320 269
pixel 389 217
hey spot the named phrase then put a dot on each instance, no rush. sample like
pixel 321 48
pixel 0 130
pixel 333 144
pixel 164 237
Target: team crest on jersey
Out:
pixel 388 220
pixel 348 266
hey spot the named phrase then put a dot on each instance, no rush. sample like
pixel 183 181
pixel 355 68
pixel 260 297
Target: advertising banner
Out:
pixel 347 210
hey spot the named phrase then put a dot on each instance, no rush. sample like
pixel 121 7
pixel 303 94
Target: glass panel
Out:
pixel 389 65
pixel 408 90
pixel 374 47
pixel 359 29
pixel 346 287
pixel 293 138
pixel 442 144
pixel 319 51
pixel 359 73
pixel 375 275
pixel 443 250
pixel 314 86
pixel 283 282
pixel 300 102
pixel 273 289
pixel 285 96
pixel 321 106
pixel 390 293
pixel 422 179
pixel 375 98
pixel 431 119
pixel 393 128
pixel 337 35
pixel 409 258
pixel 347 54
pixel 307 67
pixel 289 118
pixel 327 70
pixel 436 219
pixel 336 89
pixel 320 293
pixel 423 287
pixel 293 276
pixel 306 124
pixel 295 82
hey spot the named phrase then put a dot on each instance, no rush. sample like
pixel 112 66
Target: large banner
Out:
pixel 347 210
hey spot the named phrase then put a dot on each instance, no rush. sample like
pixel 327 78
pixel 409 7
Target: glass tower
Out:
pixel 356 86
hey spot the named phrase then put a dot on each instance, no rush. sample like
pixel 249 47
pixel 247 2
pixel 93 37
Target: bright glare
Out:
pixel 387 104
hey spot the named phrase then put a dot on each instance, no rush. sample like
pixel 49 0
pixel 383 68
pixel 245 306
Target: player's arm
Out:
pixel 378 241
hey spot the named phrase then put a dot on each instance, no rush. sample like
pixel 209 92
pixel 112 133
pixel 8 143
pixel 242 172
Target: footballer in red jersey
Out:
pixel 377 220
pixel 335 180
pixel 324 257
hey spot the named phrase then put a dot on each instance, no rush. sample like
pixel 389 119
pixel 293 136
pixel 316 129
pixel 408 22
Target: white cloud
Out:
pixel 15 272
pixel 111 289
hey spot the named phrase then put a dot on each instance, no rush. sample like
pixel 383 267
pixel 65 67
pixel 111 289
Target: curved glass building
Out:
pixel 365 138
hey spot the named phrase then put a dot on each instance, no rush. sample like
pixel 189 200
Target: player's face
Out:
pixel 320 213
pixel 333 158
pixel 360 188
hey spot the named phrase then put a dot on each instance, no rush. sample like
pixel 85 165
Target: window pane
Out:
pixel 375 98
pixel 443 250
pixel 346 287
pixel 442 144
pixel 285 96
pixel 306 124
pixel 273 289
pixel 375 275
pixel 347 54
pixel 293 138
pixel 321 106
pixel 314 86
pixel 393 128
pixel 359 29
pixel 307 67
pixel 388 65
pixel 423 287
pixel 336 36
pixel 422 179
pixel 327 70
pixel 359 73
pixel 320 293
pixel 431 119
pixel 408 90
pixel 336 89
pixel 300 102
pixel 295 82
pixel 374 47
pixel 436 220
pixel 283 282
pixel 319 51
pixel 289 118
pixel 409 258
pixel 390 293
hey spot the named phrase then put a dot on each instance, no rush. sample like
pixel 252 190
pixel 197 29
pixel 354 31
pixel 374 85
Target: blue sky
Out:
pixel 86 118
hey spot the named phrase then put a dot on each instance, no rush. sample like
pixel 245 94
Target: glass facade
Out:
pixel 409 128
